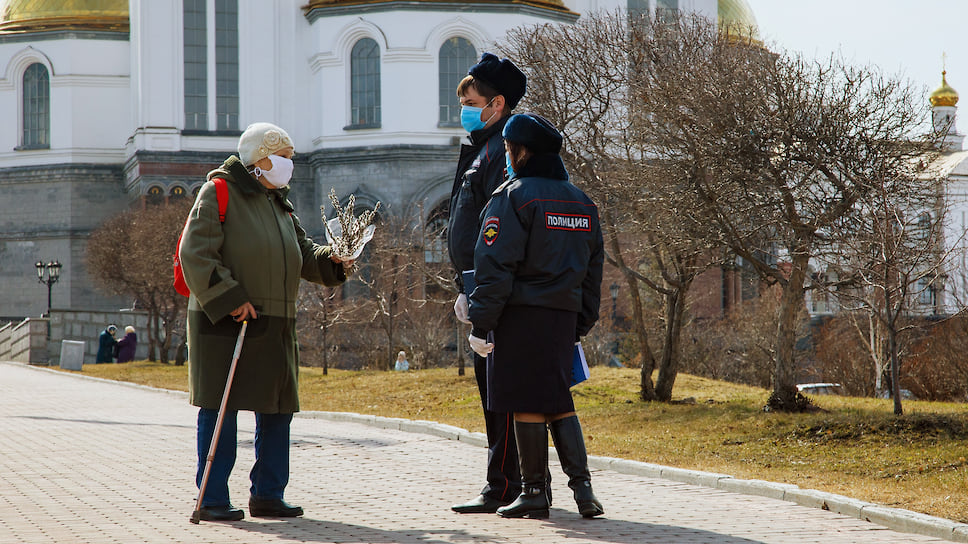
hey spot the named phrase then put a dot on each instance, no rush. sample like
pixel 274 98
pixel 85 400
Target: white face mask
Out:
pixel 281 171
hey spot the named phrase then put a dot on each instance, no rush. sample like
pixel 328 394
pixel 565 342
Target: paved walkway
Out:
pixel 88 461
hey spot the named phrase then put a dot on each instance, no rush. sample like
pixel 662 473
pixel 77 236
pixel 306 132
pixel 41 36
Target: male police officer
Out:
pixel 491 90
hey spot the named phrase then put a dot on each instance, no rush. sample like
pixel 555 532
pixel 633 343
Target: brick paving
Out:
pixel 88 461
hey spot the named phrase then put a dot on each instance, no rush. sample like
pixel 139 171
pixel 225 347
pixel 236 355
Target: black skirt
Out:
pixel 530 367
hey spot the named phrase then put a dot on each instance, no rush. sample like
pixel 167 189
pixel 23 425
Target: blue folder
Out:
pixel 579 366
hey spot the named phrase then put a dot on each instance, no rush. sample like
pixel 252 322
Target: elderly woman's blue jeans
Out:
pixel 269 474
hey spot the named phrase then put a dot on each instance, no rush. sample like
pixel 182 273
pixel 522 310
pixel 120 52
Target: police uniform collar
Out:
pixel 478 137
pixel 544 165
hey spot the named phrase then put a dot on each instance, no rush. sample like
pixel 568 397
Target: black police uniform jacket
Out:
pixel 540 244
pixel 480 170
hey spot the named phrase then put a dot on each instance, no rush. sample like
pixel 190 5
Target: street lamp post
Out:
pixel 48 274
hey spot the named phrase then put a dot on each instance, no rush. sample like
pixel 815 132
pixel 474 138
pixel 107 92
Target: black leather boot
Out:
pixel 532 439
pixel 570 445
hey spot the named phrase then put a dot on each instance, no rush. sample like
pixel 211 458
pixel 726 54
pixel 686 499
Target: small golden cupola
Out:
pixel 736 18
pixel 944 95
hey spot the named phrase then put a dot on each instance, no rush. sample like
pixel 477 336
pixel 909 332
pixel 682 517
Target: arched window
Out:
pixel 155 196
pixel 435 249
pixel 456 56
pixel 36 108
pixel 178 192
pixel 435 234
pixel 365 84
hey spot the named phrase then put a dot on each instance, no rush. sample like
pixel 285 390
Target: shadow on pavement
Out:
pixel 103 422
pixel 603 530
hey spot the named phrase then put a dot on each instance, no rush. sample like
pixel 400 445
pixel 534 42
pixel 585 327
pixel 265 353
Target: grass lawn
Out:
pixel 857 447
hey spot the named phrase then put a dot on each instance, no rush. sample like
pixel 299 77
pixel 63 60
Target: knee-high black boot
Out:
pixel 532 439
pixel 570 445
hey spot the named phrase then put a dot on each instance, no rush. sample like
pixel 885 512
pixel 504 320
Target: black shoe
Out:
pixel 531 503
pixel 225 512
pixel 482 504
pixel 273 508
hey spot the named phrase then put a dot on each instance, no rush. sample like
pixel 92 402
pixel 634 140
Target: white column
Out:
pixel 156 74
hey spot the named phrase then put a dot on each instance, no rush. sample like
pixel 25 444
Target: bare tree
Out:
pixel 780 151
pixel 324 310
pixel 131 255
pixel 888 263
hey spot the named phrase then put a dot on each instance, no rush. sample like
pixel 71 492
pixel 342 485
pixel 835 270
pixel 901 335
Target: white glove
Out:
pixel 460 309
pixel 480 346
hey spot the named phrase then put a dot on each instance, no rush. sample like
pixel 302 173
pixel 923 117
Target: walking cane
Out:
pixel 196 515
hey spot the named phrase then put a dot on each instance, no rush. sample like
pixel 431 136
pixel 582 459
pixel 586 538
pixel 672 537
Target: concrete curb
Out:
pixel 893 518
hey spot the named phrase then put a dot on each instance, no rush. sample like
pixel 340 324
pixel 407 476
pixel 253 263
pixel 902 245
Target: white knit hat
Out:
pixel 261 140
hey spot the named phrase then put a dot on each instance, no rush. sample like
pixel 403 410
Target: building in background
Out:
pixel 113 104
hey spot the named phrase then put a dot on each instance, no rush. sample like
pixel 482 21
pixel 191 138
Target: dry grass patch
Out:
pixel 856 447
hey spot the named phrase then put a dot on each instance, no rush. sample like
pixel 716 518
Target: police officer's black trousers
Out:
pixel 503 473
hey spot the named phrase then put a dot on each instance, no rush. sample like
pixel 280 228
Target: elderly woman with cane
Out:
pixel 538 271
pixel 243 262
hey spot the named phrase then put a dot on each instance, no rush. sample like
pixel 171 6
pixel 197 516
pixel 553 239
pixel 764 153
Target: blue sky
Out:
pixel 900 36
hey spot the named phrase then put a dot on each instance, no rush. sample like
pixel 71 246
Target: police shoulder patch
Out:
pixel 490 230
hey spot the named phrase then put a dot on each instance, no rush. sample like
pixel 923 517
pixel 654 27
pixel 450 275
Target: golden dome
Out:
pixel 558 5
pixel 944 95
pixel 46 15
pixel 737 19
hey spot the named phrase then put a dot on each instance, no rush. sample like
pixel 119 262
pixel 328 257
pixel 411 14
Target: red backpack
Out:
pixel 222 195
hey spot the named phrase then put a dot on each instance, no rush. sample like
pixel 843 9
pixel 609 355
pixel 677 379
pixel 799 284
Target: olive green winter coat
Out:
pixel 258 255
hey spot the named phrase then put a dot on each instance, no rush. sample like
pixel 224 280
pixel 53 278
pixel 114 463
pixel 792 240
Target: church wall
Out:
pixel 46 214
pixel 88 88
pixel 273 52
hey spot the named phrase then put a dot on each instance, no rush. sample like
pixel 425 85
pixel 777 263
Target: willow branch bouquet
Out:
pixel 346 233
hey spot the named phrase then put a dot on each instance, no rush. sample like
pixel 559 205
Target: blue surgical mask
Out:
pixel 508 168
pixel 470 117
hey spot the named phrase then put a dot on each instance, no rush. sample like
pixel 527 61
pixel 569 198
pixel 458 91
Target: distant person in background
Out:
pixel 127 345
pixel 402 364
pixel 106 343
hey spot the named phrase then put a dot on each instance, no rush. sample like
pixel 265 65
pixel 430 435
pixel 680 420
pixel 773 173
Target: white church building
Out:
pixel 113 104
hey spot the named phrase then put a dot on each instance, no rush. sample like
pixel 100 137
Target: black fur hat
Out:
pixel 501 75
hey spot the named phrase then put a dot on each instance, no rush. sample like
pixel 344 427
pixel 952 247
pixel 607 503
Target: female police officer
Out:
pixel 538 270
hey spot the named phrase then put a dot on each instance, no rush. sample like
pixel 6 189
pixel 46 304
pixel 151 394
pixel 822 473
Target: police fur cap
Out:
pixel 534 132
pixel 501 75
